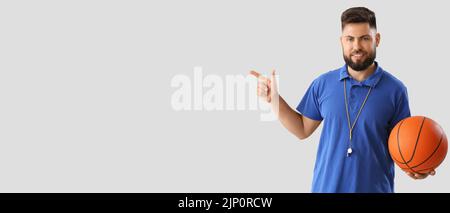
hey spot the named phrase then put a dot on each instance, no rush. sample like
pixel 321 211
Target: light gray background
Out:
pixel 85 90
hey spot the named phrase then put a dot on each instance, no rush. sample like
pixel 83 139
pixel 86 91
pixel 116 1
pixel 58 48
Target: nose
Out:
pixel 356 45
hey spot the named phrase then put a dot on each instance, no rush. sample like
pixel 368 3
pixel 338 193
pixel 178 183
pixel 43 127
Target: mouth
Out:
pixel 358 55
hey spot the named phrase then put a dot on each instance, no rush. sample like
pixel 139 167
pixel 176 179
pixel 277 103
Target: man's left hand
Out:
pixel 417 176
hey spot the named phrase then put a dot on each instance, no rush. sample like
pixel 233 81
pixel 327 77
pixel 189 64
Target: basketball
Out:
pixel 417 144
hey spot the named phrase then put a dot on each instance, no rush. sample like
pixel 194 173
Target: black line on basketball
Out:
pixel 399 150
pixel 440 141
pixel 397 142
pixel 417 141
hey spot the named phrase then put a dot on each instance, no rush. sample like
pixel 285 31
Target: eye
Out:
pixel 366 38
pixel 350 39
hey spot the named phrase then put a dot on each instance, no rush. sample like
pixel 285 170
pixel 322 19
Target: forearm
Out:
pixel 302 127
pixel 290 119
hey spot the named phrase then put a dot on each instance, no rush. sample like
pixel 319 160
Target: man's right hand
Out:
pixel 297 124
pixel 267 88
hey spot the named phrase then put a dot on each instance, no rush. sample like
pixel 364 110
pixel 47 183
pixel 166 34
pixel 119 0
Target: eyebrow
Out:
pixel 359 37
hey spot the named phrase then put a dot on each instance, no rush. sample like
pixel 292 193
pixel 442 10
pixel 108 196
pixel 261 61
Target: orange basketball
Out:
pixel 417 144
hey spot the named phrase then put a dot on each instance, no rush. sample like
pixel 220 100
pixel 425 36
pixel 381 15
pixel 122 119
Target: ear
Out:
pixel 377 39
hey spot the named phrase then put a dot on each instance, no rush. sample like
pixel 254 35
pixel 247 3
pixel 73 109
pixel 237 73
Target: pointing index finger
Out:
pixel 254 73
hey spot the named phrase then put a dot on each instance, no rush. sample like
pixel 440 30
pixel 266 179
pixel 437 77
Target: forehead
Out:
pixel 358 29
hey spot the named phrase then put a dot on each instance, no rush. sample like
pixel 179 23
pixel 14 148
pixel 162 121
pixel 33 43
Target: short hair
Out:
pixel 358 15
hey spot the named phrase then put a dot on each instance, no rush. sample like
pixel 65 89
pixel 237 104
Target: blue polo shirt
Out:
pixel 370 167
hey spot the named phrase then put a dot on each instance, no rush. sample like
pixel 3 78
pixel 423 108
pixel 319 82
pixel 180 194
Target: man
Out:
pixel 359 103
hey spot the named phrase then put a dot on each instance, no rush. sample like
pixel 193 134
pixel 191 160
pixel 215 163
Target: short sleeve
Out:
pixel 309 105
pixel 402 110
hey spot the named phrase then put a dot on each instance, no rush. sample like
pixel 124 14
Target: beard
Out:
pixel 362 65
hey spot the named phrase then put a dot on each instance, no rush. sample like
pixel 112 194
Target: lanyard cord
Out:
pixel 359 112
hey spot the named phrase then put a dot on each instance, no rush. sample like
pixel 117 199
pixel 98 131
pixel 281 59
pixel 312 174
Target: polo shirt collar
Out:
pixel 373 79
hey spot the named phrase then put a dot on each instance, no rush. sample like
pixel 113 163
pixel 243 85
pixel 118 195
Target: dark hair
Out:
pixel 358 15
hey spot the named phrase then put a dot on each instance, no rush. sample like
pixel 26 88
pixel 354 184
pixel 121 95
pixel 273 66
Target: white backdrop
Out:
pixel 85 90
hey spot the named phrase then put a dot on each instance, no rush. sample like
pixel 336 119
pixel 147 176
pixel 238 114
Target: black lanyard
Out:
pixel 350 127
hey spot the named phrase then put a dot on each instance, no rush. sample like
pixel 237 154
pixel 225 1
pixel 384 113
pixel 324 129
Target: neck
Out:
pixel 363 74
